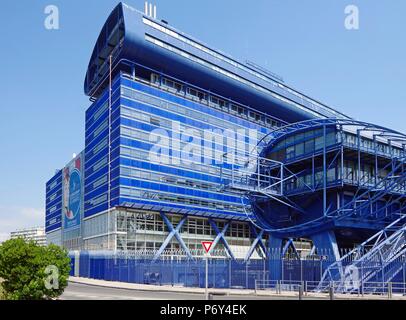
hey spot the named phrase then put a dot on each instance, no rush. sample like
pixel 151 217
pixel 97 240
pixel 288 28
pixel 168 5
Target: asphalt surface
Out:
pixel 76 291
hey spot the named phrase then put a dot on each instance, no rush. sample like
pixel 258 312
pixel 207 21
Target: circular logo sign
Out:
pixel 74 195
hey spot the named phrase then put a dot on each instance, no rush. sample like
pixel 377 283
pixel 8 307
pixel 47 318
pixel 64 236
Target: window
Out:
pixel 155 122
pixel 168 83
pixel 319 178
pixel 178 87
pixel 331 175
pixel 199 226
pixel 155 78
pixel 330 138
pixel 299 137
pixel 299 149
pixel 309 146
pixel 192 92
pixel 214 100
pixel 201 95
pixel 290 152
pixel 172 84
pixel 318 143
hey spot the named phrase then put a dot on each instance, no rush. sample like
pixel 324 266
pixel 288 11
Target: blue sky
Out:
pixel 42 108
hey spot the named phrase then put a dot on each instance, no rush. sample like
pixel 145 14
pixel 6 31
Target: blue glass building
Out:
pixel 154 86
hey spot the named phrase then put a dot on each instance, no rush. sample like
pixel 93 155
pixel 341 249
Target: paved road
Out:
pixel 77 291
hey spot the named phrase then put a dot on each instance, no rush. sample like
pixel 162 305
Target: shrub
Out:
pixel 32 272
pixel 2 297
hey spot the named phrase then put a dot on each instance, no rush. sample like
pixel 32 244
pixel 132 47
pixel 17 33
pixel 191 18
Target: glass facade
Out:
pixel 142 113
pixel 305 150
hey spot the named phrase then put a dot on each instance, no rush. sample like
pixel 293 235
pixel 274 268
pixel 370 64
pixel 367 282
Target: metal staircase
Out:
pixel 375 260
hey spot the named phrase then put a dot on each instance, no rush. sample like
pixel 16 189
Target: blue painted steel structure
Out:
pixel 335 181
pixel 221 237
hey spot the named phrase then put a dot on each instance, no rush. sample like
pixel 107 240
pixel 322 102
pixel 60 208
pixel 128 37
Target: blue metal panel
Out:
pixel 53 188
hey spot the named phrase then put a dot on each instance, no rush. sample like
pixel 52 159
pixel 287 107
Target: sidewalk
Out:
pixel 164 288
pixel 232 292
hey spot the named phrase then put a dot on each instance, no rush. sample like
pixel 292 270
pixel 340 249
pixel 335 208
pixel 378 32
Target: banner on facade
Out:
pixel 72 193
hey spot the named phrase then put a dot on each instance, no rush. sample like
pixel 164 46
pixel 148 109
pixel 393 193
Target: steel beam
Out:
pixel 257 241
pixel 173 232
pixel 220 236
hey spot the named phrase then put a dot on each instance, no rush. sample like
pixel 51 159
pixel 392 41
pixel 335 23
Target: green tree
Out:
pixel 32 272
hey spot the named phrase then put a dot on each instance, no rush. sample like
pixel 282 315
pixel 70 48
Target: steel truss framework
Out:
pixel 175 232
pixel 264 178
pixel 378 259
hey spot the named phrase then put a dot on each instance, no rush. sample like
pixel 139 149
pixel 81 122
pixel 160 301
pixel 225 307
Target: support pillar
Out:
pixel 256 243
pixel 326 244
pixel 220 236
pixel 275 258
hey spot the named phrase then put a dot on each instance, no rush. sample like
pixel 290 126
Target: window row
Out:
pixel 290 149
pixel 179 128
pixel 220 122
pixel 131 222
pixel 198 150
pixel 173 198
pixel 145 154
pixel 215 102
pixel 230 75
pixel 370 145
pixel 168 179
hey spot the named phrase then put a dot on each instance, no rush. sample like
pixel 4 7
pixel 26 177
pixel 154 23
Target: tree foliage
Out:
pixel 32 272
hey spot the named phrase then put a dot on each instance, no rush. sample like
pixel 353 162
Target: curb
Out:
pixel 197 291
pixel 112 286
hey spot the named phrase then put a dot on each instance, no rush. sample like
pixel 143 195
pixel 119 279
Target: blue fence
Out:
pixel 222 273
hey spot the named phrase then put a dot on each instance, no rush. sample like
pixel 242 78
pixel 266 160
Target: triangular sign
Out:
pixel 207 245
